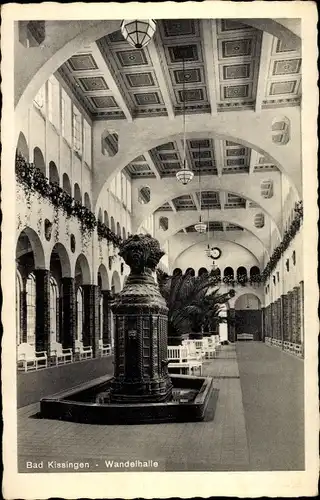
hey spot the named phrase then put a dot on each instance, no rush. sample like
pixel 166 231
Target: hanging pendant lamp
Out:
pixel 200 227
pixel 138 32
pixel 184 175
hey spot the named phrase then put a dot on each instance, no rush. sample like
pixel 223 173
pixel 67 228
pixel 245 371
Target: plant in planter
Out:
pixel 192 302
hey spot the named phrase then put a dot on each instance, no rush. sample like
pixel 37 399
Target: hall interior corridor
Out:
pixel 254 421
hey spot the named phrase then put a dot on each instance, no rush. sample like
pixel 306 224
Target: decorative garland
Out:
pixel 287 238
pixel 33 180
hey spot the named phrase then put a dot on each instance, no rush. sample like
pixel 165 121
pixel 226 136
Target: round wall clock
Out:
pixel 215 252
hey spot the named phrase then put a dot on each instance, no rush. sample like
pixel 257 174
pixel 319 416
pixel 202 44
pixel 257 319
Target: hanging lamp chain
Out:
pixel 184 113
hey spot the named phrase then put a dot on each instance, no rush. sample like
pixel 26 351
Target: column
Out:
pixel 289 316
pixel 91 317
pixel 106 333
pixel 285 318
pixel 232 325
pixel 273 322
pixel 23 313
pixel 42 309
pixel 68 330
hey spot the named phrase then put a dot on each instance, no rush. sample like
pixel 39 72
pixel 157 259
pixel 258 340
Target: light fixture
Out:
pixel 185 175
pixel 138 32
pixel 200 227
pixel 208 249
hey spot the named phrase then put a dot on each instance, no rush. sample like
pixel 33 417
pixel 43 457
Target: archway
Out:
pixel 115 283
pixel 66 184
pixel 82 279
pixel 38 160
pixel 22 147
pixel 87 202
pixel 28 241
pixel 118 229
pixel 113 226
pixel 77 193
pixel 106 218
pixel 104 307
pixel 82 270
pixel 248 316
pixel 53 173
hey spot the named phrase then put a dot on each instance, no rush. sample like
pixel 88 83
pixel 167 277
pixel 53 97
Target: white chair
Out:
pixel 178 358
pixel 29 358
pixel 59 355
pixel 200 347
pixel 209 348
pixel 105 350
pixel 84 352
pixel 193 353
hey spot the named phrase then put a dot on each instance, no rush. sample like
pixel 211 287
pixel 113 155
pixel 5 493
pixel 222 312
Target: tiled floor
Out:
pixel 236 434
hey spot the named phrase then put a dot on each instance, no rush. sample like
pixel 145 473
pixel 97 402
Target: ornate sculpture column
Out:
pixel 140 321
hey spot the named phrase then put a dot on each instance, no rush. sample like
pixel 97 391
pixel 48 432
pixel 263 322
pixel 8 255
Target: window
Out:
pixel 123 189
pixel 66 116
pixel 77 130
pixel 113 186
pixel 40 99
pixel 118 186
pixel 31 309
pixel 87 143
pixel 128 204
pixel 18 307
pixel 54 308
pixel 53 101
pixel 80 316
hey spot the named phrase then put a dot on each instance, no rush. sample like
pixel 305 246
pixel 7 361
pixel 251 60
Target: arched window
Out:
pixel 124 234
pixel 202 271
pixel 118 229
pixel 228 272
pixel 113 226
pixel 77 193
pixel 190 271
pixel 38 160
pixel 109 140
pixel 254 272
pixel 22 147
pixel 66 184
pixel 87 202
pixel 177 272
pixel 80 314
pixel 53 173
pixel 242 276
pixel 144 195
pixel 19 288
pixel 106 218
pixel 31 309
pixel 54 310
pixel 100 215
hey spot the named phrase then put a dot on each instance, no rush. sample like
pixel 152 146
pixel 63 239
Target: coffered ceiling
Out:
pixel 210 200
pixel 228 66
pixel 215 227
pixel 209 156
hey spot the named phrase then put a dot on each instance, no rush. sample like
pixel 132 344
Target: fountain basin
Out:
pixel 88 403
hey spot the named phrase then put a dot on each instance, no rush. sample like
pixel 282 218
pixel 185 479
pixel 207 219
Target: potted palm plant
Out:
pixel 194 304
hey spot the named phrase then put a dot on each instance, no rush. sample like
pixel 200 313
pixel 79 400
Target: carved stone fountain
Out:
pixel 141 389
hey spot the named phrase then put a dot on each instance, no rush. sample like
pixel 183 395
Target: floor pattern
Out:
pixel 257 397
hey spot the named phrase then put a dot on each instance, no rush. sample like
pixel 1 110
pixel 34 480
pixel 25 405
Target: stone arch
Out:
pixel 190 271
pixel 192 190
pixel 247 299
pixel 87 201
pixel 228 272
pixel 29 236
pixel 22 146
pixel 115 282
pixel 66 184
pixel 77 193
pixel 53 173
pixel 38 160
pixel 202 271
pixel 61 253
pixel 177 272
pixel 82 265
pixel 102 271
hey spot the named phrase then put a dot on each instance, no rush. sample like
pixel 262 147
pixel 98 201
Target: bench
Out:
pixel 29 358
pixel 59 355
pixel 245 336
pixel 178 358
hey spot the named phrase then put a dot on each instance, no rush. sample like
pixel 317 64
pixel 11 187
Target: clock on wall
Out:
pixel 214 253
